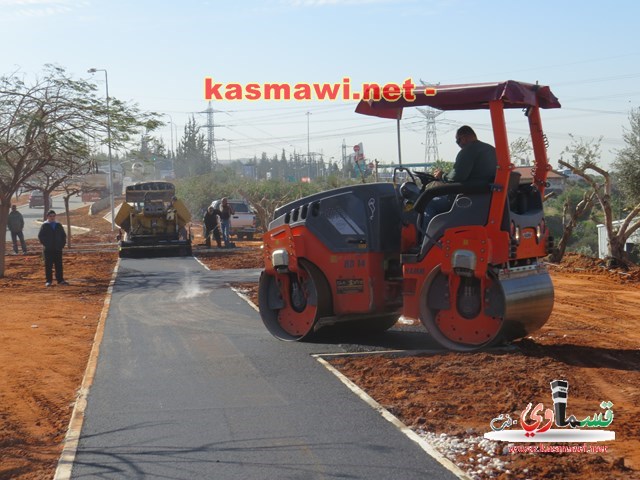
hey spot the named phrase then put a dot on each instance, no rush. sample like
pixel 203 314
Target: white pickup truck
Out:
pixel 243 221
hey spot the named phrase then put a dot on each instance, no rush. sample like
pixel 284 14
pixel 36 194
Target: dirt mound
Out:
pixel 245 254
pixel 577 263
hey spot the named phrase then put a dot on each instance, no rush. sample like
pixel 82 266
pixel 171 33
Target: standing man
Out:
pixel 226 211
pixel 15 224
pixel 53 238
pixel 210 221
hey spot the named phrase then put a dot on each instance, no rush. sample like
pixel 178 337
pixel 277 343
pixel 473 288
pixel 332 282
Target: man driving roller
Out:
pixel 475 162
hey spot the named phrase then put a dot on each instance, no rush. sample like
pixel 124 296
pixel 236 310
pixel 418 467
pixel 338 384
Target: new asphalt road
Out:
pixel 189 384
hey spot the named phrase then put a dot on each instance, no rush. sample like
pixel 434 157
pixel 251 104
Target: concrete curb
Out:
pixel 423 444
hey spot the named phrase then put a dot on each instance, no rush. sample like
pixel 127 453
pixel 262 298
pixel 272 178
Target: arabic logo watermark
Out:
pixel 536 422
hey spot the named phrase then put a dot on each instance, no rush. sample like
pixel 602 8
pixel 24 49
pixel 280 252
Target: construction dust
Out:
pixel 190 287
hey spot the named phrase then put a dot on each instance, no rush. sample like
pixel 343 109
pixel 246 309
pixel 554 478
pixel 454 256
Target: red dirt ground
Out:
pixel 591 340
pixel 46 335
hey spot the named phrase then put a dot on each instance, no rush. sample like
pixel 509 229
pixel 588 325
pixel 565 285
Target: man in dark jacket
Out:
pixel 53 238
pixel 211 225
pixel 476 162
pixel 15 224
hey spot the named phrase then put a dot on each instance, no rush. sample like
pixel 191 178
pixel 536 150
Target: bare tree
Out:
pixel 50 121
pixel 61 173
pixel 71 185
pixel 23 120
pixel 521 150
pixel 265 207
pixel 570 217
pixel 584 154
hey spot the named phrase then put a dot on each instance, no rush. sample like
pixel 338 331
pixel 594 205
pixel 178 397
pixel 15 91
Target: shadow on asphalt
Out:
pixel 404 338
pixel 253 453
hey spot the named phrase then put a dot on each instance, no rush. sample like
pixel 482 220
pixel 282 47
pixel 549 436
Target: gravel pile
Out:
pixel 478 457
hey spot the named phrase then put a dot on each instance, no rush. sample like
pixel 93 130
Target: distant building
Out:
pixel 603 239
pixel 555 179
pixel 570 175
pixel 249 170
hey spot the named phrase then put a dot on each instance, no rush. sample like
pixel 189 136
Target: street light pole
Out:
pixel 106 82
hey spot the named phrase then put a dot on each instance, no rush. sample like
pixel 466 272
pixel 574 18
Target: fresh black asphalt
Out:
pixel 190 385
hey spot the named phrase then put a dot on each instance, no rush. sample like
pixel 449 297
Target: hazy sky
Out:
pixel 159 53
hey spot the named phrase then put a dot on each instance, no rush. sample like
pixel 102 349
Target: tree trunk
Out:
pixel 558 253
pixel 569 222
pixel 618 257
pixel 66 208
pixel 4 216
pixel 47 204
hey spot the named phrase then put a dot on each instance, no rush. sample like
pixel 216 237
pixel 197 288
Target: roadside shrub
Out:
pixel 265 195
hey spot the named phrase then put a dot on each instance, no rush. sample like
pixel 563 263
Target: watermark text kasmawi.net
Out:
pixel 313 91
pixel 542 448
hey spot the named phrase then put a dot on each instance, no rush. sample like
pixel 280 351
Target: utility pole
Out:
pixel 173 154
pixel 106 84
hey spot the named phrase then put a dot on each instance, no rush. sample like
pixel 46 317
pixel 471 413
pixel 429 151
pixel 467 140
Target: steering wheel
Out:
pixel 425 178
pixel 397 170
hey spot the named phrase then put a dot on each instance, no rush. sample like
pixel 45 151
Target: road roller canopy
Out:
pixel 473 96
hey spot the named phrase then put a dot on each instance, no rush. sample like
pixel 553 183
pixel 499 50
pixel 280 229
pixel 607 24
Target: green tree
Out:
pixel 446 167
pixel 627 163
pixel 192 155
pixel 265 195
pixel 520 151
pixel 48 122
pixel 263 166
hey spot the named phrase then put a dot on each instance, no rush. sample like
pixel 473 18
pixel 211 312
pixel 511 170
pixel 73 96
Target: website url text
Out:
pixel 544 448
pixel 313 91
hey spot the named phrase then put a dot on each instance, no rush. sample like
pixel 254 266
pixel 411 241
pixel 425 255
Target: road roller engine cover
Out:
pixel 359 256
pixel 154 221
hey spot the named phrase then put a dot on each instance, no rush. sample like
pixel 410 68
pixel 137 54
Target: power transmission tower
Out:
pixel 210 138
pixel 431 136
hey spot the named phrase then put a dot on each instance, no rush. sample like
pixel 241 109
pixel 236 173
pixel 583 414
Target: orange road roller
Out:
pixel 360 256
